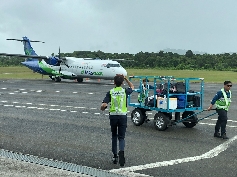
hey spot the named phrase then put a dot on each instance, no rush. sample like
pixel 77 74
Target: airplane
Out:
pixel 72 68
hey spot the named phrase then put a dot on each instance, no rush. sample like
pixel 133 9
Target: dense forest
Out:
pixel 161 60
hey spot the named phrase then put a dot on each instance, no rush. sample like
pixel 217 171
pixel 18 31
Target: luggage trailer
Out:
pixel 170 97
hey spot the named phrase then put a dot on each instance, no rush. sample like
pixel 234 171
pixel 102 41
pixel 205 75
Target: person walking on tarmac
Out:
pixel 118 115
pixel 222 101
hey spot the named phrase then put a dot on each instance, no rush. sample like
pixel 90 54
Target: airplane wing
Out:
pixel 24 56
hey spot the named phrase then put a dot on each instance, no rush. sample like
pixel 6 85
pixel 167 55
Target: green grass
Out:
pixel 18 73
pixel 209 76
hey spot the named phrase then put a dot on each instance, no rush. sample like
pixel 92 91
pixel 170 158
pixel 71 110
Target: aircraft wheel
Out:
pixel 137 117
pixel 51 77
pixel 57 79
pixel 79 79
pixel 161 121
pixel 190 122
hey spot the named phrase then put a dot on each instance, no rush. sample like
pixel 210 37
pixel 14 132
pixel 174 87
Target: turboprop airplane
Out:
pixel 58 68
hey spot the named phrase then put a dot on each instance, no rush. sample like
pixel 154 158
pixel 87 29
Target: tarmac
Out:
pixel 58 121
pixel 10 167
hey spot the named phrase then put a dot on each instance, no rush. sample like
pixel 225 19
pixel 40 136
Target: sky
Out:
pixel 119 26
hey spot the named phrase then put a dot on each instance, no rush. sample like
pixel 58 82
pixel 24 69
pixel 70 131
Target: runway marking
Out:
pixel 210 154
pixel 215 124
pixel 98 113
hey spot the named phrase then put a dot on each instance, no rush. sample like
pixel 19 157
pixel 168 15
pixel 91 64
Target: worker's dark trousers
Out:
pixel 118 125
pixel 222 121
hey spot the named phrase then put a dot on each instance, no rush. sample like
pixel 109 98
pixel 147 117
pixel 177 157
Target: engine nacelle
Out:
pixel 53 61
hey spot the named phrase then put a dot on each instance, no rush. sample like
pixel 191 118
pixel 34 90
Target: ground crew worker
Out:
pixel 222 101
pixel 118 115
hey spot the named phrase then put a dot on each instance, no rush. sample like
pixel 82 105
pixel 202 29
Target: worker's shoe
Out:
pixel 224 136
pixel 121 158
pixel 217 134
pixel 115 159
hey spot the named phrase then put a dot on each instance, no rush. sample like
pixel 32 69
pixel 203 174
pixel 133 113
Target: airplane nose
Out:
pixel 124 72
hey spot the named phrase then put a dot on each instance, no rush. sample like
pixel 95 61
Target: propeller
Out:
pixel 61 60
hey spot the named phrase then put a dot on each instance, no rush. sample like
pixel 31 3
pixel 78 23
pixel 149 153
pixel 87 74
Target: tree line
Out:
pixel 159 60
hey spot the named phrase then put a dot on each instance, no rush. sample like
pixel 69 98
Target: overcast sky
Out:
pixel 119 26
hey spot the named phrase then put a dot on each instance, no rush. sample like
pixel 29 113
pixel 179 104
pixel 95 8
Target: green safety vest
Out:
pixel 118 101
pixel 223 103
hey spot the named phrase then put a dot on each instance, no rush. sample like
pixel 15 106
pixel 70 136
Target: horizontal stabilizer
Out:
pixel 21 40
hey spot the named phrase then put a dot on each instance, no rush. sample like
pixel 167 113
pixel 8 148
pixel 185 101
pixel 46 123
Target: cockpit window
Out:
pixel 112 65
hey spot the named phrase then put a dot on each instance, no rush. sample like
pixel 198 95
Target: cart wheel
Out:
pixel 137 117
pixel 161 121
pixel 190 122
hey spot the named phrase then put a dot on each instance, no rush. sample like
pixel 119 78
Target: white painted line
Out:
pixel 39 91
pixel 215 124
pixel 8 105
pixel 84 112
pixel 63 110
pixel 21 89
pixel 32 107
pixel 4 88
pixel 90 93
pixel 74 92
pixel 53 105
pixel 210 154
pixel 4 101
pixel 40 108
pixel 57 91
pixel 232 120
pixel 54 109
pixel 28 103
pixel 97 113
pixel 11 93
pixel 42 104
pixel 24 92
pixel 80 107
pixel 73 111
pixel 93 108
pixel 68 106
pixel 16 91
pixel 20 106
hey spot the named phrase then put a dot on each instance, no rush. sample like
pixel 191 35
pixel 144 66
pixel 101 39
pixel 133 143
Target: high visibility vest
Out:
pixel 223 103
pixel 118 101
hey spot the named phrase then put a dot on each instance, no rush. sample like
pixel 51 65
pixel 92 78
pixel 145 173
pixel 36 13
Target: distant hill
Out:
pixel 181 51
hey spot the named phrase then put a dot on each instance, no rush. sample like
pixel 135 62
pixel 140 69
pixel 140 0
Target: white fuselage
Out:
pixel 90 68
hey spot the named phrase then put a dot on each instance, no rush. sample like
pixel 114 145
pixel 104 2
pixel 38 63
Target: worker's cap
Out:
pixel 146 80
